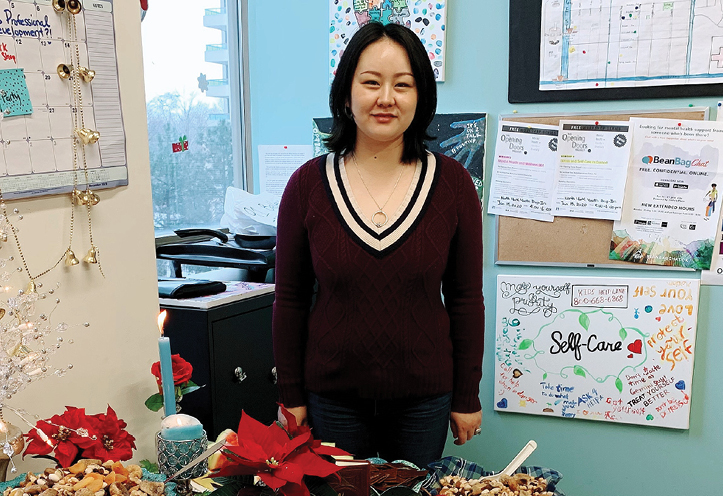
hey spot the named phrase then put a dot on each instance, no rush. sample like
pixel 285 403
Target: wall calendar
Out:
pixel 36 97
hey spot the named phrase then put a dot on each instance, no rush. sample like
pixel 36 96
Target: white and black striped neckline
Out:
pixel 379 241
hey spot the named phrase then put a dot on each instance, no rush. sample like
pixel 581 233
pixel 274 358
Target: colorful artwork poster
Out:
pixel 611 349
pixel 672 202
pixel 426 18
pixel 460 136
pixel 714 276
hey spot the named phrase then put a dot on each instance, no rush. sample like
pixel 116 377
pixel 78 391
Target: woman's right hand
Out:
pixel 299 412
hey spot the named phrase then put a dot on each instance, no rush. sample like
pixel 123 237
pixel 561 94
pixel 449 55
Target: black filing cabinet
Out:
pixel 230 349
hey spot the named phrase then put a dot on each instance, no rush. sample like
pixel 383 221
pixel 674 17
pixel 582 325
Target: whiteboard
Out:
pixel 610 349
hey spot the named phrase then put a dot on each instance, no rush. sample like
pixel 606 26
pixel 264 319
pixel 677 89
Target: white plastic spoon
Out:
pixel 515 463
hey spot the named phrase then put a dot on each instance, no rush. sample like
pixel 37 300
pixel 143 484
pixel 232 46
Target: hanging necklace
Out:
pixel 84 137
pixel 380 217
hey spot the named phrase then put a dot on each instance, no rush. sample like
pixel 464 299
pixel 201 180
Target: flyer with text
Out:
pixel 671 212
pixel 592 169
pixel 523 172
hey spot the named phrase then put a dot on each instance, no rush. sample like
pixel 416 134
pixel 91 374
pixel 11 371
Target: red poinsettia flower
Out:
pixel 295 429
pixel 67 434
pixel 37 445
pixel 182 370
pixel 279 459
pixel 115 443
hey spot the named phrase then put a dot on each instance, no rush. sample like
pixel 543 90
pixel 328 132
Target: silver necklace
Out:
pixel 380 217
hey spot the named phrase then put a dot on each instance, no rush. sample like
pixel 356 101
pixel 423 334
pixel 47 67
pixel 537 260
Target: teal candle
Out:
pixel 180 427
pixel 169 395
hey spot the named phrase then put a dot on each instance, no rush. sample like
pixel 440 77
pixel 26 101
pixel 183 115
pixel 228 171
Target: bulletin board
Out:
pixel 568 240
pixel 613 349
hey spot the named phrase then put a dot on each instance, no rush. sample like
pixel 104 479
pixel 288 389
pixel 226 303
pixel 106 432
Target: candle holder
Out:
pixel 174 455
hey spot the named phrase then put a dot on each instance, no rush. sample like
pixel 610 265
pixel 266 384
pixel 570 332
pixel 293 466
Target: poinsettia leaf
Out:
pixel 291 445
pixel 277 436
pixel 247 450
pixel 251 429
pixel 66 452
pixel 290 472
pixel 154 402
pixel 314 465
pixel 271 481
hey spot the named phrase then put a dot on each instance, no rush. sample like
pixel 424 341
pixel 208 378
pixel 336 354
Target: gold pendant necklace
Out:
pixel 380 217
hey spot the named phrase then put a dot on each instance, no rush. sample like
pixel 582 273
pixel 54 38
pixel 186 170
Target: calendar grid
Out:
pixel 36 156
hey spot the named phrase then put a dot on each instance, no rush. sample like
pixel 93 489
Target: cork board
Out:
pixel 569 240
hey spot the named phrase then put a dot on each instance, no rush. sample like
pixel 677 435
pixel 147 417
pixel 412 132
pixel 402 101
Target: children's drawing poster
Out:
pixel 426 18
pixel 611 349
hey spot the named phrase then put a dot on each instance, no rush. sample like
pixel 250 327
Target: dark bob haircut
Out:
pixel 343 132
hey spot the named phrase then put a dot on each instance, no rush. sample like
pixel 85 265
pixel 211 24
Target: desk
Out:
pixel 229 346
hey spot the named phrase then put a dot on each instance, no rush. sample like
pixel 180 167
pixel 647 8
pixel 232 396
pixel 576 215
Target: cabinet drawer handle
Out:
pixel 239 374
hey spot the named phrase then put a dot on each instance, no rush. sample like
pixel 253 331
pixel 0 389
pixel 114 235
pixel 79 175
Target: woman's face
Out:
pixel 383 93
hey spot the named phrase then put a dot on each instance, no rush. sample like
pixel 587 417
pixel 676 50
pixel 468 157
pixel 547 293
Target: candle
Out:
pixel 164 351
pixel 180 427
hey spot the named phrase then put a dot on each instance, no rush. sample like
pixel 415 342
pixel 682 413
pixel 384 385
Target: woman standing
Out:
pixel 382 363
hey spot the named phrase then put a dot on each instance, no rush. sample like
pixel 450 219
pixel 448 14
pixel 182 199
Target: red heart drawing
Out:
pixel 630 355
pixel 636 346
pixel 657 318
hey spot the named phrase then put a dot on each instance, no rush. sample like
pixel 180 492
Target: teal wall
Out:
pixel 289 86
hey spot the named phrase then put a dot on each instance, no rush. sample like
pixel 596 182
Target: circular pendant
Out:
pixel 377 220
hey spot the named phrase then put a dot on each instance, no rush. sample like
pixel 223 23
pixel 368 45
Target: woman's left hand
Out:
pixel 464 425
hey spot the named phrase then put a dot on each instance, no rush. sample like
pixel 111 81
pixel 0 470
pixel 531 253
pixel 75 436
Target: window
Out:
pixel 195 109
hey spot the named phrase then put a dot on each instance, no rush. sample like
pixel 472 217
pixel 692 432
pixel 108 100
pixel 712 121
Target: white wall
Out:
pixel 112 357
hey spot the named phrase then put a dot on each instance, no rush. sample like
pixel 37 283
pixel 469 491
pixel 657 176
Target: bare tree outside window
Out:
pixel 186 53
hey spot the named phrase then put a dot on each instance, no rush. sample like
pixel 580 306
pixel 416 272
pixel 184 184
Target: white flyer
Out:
pixel 592 167
pixel 524 171
pixel 671 213
pixel 278 162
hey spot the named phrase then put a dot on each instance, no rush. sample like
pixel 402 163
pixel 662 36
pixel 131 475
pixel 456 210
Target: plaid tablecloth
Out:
pixel 453 465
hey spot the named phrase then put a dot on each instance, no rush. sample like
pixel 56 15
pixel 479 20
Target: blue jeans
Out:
pixel 408 429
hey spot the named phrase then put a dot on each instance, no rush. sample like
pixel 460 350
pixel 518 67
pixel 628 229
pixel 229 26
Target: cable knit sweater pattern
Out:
pixel 379 327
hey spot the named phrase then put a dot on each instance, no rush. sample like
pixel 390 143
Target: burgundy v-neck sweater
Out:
pixel 379 327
